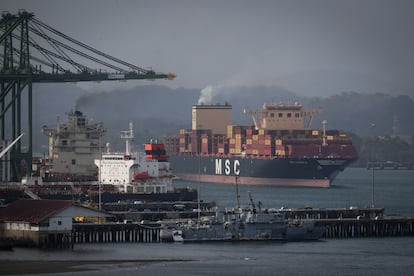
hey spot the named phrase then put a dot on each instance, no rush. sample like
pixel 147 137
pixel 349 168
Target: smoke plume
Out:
pixel 207 94
pixel 212 92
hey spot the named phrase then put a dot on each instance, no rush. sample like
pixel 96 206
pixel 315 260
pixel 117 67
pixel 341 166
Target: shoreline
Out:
pixel 59 266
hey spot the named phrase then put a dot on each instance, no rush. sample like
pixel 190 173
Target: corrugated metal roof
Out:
pixel 33 210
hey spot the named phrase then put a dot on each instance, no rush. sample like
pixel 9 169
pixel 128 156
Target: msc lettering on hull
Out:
pixel 228 167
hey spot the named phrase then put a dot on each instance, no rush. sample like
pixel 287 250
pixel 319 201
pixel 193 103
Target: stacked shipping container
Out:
pixel 246 140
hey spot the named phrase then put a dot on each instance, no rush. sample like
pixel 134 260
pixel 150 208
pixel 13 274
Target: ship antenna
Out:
pixel 198 191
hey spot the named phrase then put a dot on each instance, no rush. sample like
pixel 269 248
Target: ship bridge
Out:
pixel 282 116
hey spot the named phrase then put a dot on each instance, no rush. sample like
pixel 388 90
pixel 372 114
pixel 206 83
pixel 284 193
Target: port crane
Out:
pixel 34 52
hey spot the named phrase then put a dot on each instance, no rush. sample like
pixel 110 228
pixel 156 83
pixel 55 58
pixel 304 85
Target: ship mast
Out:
pixel 237 193
pixel 128 135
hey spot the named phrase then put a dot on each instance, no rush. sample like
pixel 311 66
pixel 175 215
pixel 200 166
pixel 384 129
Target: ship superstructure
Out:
pixel 280 148
pixel 136 172
pixel 111 176
pixel 282 116
pixel 73 146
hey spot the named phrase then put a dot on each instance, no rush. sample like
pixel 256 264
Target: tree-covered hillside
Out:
pixel 159 111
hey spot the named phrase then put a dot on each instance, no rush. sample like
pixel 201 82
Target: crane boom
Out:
pixel 46 55
pixel 3 152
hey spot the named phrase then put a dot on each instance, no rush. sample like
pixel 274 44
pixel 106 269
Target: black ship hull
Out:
pixel 306 172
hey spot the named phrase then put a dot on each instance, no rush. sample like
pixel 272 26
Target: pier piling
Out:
pixel 115 233
pixel 377 227
pixel 334 228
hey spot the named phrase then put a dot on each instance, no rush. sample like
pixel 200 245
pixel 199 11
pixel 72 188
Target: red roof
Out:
pixel 32 210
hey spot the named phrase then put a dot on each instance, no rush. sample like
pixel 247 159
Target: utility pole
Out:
pixel 372 127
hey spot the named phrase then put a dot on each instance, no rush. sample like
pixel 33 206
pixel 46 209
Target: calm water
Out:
pixel 394 191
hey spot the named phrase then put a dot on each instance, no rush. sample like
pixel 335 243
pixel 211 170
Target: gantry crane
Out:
pixel 33 52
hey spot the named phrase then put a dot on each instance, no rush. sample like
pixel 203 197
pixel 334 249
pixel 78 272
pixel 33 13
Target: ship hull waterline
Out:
pixel 320 183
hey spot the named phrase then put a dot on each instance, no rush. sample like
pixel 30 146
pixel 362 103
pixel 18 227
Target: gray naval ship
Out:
pixel 246 224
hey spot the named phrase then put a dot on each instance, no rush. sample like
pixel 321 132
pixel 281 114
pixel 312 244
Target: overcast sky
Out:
pixel 311 47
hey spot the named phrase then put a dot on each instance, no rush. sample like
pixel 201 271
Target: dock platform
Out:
pixel 338 223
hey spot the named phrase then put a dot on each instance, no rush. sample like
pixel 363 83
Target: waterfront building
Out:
pixel 42 223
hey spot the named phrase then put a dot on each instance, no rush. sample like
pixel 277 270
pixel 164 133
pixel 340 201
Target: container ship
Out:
pixel 280 148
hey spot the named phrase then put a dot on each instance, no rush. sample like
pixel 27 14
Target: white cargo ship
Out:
pixel 136 172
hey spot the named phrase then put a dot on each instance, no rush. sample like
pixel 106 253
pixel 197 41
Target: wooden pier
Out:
pixel 350 222
pixel 338 223
pixel 361 227
pixel 354 222
pixel 333 213
pixel 358 227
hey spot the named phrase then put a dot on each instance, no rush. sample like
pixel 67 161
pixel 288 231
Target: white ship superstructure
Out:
pixel 73 147
pixel 136 172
